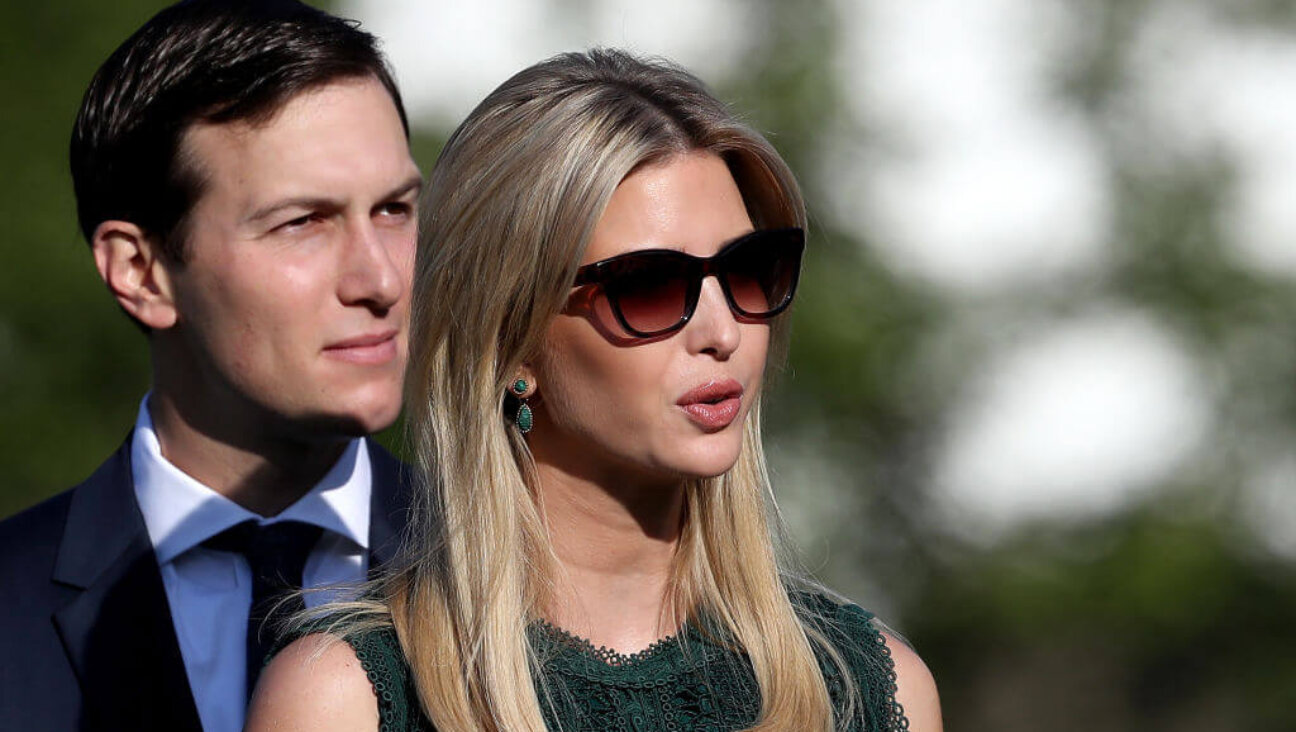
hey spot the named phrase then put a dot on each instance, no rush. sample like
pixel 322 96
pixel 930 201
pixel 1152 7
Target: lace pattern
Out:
pixel 544 633
pixel 853 634
pixel 684 682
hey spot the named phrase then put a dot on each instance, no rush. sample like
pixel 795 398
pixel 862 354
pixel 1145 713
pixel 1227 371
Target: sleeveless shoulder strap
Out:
pixel 854 634
pixel 380 655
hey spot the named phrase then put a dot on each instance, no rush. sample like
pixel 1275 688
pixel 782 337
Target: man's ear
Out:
pixel 131 263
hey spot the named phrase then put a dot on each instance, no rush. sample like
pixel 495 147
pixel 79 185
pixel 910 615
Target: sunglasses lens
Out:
pixel 650 292
pixel 761 273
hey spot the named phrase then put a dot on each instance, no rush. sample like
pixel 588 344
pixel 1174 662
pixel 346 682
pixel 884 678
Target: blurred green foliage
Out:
pixel 72 369
pixel 1166 617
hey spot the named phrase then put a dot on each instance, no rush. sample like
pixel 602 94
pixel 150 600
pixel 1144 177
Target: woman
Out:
pixel 606 255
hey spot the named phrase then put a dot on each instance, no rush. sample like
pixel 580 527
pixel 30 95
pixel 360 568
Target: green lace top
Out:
pixel 690 681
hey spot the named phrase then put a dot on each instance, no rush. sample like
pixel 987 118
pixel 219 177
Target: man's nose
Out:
pixel 372 274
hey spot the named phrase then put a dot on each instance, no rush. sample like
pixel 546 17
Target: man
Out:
pixel 243 177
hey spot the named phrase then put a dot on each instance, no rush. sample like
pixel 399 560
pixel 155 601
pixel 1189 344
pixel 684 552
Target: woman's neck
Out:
pixel 616 546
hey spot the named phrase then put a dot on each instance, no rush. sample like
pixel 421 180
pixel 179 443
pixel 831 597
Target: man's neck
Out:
pixel 264 475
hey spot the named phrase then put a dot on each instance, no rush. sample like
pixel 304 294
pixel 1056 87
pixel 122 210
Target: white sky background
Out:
pixel 449 54
pixel 1209 88
pixel 1075 420
pixel 979 182
pixel 985 181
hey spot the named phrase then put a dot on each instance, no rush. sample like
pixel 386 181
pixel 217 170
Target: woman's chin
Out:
pixel 707 463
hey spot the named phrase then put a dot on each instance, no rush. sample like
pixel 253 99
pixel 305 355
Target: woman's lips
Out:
pixel 713 417
pixel 375 349
pixel 714 405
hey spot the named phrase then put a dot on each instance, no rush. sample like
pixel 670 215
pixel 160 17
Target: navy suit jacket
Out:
pixel 86 638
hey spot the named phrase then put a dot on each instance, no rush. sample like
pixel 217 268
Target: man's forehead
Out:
pixel 343 133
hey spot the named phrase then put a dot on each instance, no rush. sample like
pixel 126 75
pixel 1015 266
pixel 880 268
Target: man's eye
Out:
pixel 395 209
pixel 299 222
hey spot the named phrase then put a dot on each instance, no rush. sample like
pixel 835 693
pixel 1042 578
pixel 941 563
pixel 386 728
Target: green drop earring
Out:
pixel 525 420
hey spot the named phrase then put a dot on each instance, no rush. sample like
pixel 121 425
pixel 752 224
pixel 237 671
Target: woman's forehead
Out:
pixel 687 202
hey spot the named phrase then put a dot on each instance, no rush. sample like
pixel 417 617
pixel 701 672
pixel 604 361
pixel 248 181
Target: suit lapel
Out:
pixel 389 505
pixel 118 633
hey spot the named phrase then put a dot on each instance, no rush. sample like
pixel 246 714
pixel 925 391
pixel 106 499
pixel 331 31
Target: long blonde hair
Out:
pixel 511 205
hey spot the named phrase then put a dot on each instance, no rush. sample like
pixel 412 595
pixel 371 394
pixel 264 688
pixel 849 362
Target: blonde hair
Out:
pixel 511 205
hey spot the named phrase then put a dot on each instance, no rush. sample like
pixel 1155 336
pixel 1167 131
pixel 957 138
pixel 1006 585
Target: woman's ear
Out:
pixel 131 263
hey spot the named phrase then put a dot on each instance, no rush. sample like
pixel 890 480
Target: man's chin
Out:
pixel 356 423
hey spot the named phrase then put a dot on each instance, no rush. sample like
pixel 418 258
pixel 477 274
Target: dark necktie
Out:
pixel 276 554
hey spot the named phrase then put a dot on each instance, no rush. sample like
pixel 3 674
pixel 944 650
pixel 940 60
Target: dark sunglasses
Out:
pixel 653 292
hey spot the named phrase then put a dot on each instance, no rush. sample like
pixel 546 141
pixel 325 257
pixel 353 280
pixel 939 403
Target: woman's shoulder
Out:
pixel 888 671
pixel 336 675
pixel 316 682
pixel 847 627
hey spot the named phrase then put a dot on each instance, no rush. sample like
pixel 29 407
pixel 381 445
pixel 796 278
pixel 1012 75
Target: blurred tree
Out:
pixel 72 368
pixel 1167 617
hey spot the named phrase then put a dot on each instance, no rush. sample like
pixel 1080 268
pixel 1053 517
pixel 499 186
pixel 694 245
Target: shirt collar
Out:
pixel 181 513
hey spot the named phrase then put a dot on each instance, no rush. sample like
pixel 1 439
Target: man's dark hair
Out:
pixel 199 61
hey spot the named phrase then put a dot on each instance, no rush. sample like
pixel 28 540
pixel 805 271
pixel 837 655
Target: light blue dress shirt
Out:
pixel 210 591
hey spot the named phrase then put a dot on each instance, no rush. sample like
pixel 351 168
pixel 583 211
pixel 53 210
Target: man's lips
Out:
pixel 714 405
pixel 371 348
